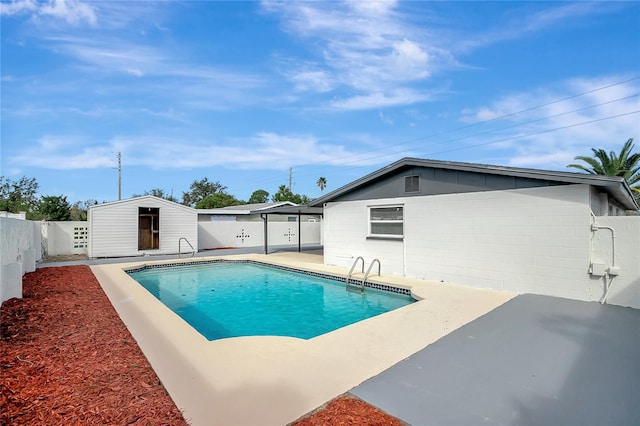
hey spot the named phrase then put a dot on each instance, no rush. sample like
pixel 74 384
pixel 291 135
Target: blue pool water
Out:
pixel 243 299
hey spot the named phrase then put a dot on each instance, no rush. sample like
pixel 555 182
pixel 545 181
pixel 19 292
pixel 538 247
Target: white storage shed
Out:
pixel 141 226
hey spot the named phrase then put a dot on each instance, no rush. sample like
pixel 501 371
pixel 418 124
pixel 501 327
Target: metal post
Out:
pixel 265 219
pixel 119 177
pixel 299 235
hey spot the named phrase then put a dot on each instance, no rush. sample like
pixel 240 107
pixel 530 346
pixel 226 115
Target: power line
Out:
pixel 502 117
pixel 539 132
pixel 499 118
pixel 532 121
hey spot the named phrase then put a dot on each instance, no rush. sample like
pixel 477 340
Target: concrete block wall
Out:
pixel 60 238
pixel 213 235
pixel 533 240
pixel 346 226
pixel 20 244
pixel 529 240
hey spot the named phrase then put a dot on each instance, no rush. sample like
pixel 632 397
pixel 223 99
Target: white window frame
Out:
pixel 372 235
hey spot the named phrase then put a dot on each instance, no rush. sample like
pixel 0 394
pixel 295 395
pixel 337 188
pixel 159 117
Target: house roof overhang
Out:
pixel 614 185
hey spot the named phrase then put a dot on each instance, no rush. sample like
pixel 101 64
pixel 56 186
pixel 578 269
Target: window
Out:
pixel 386 222
pixel 412 183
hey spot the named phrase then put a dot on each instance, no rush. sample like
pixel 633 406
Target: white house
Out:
pixel 522 230
pixel 140 226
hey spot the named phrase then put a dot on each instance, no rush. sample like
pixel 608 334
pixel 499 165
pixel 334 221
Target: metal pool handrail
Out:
pixel 193 251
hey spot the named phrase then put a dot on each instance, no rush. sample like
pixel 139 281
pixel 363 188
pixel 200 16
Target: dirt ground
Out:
pixel 67 358
pixel 64 258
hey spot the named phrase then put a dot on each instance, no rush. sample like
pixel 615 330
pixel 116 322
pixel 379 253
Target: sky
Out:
pixel 255 95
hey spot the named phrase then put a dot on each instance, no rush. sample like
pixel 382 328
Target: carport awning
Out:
pixel 287 210
pixel 301 210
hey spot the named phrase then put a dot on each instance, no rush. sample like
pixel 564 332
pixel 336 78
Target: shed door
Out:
pixel 148 228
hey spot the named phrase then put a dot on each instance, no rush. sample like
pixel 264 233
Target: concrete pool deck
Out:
pixel 535 360
pixel 266 380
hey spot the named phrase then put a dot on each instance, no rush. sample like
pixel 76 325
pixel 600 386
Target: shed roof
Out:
pixel 616 186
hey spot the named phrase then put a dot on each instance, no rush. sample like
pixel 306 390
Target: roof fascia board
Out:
pixel 613 183
pixel 144 197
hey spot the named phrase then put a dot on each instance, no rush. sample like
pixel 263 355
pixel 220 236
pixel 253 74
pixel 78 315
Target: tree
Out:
pixel 259 196
pixel 322 183
pixel 79 209
pixel 624 164
pixel 217 201
pixel 199 189
pixel 53 207
pixel 19 196
pixel 285 194
pixel 157 192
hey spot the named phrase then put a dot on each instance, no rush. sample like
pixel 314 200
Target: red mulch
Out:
pixel 348 410
pixel 67 358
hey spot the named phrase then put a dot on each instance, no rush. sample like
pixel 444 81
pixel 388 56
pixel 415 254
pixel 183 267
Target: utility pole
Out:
pixel 119 177
pixel 290 174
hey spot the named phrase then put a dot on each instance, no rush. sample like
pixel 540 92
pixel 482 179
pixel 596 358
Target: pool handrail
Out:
pixel 193 251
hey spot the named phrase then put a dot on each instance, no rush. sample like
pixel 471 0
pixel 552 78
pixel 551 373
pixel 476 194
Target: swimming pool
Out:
pixel 232 299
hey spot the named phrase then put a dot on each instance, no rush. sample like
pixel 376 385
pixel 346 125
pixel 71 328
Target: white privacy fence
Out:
pixel 63 238
pixel 214 235
pixel 19 251
pixel 60 238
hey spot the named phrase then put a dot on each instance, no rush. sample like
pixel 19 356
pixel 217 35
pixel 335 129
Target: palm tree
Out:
pixel 624 164
pixel 322 183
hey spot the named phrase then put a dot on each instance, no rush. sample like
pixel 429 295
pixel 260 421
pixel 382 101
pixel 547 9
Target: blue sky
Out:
pixel 240 92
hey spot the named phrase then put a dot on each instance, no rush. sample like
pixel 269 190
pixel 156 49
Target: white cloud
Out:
pixel 371 49
pixel 378 7
pixel 366 47
pixel 547 127
pixel 311 80
pixel 135 71
pixel 523 22
pixel 18 7
pixel 266 150
pixel 64 152
pixel 194 84
pixel 397 97
pixel 384 119
pixel 72 11
pixel 408 56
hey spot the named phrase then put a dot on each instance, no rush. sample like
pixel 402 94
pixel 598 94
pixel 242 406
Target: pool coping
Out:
pixel 266 380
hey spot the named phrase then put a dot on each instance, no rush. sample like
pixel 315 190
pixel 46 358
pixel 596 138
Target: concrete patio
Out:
pixel 534 360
